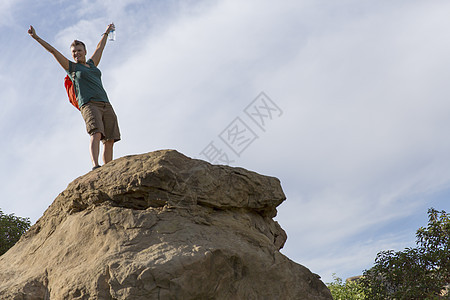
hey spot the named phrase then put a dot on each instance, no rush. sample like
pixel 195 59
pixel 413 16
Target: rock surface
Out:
pixel 159 226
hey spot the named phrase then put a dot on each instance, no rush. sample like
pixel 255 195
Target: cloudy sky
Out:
pixel 346 102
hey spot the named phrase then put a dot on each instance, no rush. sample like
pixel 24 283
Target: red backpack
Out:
pixel 71 91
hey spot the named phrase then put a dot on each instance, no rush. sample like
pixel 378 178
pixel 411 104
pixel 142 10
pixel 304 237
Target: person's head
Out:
pixel 79 52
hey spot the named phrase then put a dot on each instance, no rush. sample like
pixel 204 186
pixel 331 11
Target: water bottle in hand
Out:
pixel 112 33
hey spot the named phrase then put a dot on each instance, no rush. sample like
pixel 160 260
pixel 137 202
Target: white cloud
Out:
pixel 6 12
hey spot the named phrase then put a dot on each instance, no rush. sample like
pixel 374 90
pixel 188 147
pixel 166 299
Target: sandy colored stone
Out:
pixel 159 226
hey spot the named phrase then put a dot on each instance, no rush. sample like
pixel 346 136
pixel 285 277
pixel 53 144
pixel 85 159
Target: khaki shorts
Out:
pixel 101 118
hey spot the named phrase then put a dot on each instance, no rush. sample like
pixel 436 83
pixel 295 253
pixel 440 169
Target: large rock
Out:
pixel 159 226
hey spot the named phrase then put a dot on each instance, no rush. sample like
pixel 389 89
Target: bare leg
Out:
pixel 94 147
pixel 108 151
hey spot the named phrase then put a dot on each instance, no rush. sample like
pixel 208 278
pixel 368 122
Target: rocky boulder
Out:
pixel 159 226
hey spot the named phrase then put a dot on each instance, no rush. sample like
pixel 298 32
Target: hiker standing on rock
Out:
pixel 98 114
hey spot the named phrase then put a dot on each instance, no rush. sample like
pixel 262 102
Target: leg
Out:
pixel 92 116
pixel 108 151
pixel 94 147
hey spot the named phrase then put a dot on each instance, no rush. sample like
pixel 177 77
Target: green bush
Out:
pixel 340 290
pixel 415 273
pixel 11 229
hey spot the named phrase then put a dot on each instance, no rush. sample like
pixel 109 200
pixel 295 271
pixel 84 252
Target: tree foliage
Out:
pixel 421 272
pixel 11 229
pixel 345 290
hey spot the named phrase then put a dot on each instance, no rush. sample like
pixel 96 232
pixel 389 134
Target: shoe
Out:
pixel 96 167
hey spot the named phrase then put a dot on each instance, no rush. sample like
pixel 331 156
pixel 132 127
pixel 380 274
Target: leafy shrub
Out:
pixel 11 229
pixel 350 290
pixel 414 273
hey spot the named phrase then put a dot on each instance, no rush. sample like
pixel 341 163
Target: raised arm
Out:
pixel 62 60
pixel 101 45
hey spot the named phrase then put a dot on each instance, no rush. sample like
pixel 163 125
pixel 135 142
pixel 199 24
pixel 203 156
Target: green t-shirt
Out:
pixel 87 82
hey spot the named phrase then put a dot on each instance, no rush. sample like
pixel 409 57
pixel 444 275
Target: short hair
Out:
pixel 76 43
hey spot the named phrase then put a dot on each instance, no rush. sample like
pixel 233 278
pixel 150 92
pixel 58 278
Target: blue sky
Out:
pixel 360 140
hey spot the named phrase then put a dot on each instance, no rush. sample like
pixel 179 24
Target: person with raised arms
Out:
pixel 97 111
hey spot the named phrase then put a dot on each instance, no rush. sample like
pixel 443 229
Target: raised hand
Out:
pixel 111 27
pixel 32 32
